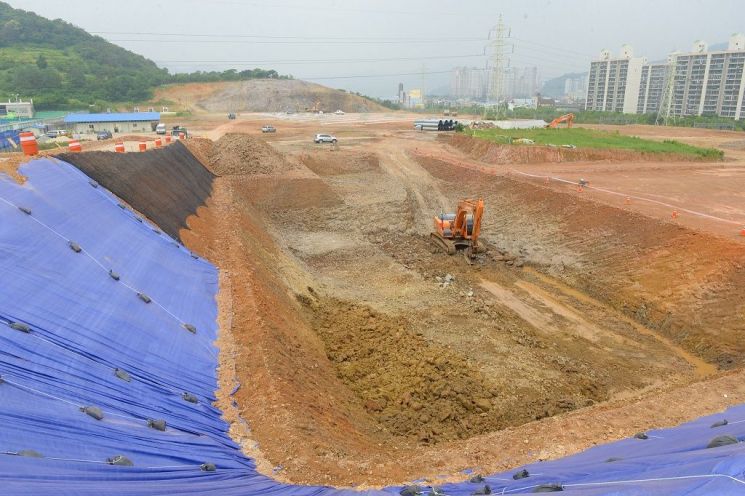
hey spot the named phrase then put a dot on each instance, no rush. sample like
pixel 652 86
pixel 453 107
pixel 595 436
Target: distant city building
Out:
pixel 18 109
pixel 520 82
pixel 468 83
pixel 114 122
pixel 575 88
pixel 613 83
pixel 415 99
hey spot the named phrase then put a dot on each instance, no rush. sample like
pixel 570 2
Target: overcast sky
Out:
pixel 388 41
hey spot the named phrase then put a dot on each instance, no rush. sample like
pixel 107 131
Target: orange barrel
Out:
pixel 119 148
pixel 168 138
pixel 28 143
pixel 143 146
pixel 74 146
pixel 181 136
pixel 158 143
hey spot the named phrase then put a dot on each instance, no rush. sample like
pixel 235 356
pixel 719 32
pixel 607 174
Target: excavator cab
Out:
pixel 461 230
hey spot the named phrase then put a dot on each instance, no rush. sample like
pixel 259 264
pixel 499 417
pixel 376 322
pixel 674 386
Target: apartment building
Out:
pixel 651 86
pixel 710 82
pixel 613 83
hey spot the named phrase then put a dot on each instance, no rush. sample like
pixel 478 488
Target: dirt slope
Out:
pixel 263 95
pixel 167 185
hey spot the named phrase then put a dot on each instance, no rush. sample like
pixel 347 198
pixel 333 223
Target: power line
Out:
pixel 315 7
pixel 420 73
pixel 315 61
pixel 296 42
pixel 253 36
pixel 551 47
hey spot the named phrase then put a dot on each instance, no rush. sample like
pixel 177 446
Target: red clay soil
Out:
pixel 310 426
pixel 10 163
pixel 688 285
pixel 495 153
pixel 167 185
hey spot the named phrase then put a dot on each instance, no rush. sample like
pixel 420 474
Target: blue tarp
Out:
pixel 84 325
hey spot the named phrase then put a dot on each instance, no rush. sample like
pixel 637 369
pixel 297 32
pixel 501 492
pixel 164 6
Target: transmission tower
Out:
pixel 498 59
pixel 666 98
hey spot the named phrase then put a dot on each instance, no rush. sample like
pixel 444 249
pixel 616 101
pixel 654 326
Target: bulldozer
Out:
pixel 461 230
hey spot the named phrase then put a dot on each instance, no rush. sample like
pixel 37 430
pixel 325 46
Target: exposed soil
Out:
pixel 359 365
pixel 263 95
pixel 167 185
pixel 414 388
pixel 495 153
pixel 9 164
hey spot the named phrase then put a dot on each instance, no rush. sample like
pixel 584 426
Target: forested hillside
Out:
pixel 62 66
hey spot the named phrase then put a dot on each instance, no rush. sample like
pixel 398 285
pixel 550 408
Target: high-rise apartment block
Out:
pixel 699 82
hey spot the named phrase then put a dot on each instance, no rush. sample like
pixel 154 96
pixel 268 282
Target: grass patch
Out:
pixel 590 138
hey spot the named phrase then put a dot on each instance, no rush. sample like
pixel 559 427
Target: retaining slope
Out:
pixel 67 325
pixel 166 184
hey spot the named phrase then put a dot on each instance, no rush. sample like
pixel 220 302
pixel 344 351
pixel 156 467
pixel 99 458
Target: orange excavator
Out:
pixel 568 118
pixel 460 230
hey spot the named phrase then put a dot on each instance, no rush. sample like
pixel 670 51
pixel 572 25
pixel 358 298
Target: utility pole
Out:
pixel 424 83
pixel 665 112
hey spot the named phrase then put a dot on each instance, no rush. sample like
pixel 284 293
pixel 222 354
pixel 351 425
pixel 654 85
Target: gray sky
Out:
pixel 364 37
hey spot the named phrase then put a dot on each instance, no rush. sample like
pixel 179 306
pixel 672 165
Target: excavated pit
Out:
pixel 359 365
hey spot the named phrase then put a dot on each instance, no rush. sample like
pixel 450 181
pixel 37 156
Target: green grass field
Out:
pixel 590 138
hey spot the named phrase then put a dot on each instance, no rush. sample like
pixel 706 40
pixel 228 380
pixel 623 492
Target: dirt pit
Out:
pixel 372 359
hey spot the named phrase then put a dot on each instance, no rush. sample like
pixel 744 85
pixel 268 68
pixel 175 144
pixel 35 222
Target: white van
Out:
pixel 160 129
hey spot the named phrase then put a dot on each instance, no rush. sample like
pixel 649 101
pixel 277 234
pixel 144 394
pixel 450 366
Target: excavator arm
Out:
pixel 568 118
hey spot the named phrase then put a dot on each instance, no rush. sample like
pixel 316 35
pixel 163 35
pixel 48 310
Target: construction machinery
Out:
pixel 315 109
pixel 460 231
pixel 568 118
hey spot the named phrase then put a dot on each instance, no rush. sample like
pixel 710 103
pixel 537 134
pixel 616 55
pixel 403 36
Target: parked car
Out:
pixel 178 129
pixel 268 129
pixel 324 138
pixel 55 133
pixel 160 129
pixel 104 135
pixel 339 112
pixel 231 116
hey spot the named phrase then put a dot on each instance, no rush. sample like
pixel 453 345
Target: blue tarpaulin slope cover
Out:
pixel 108 371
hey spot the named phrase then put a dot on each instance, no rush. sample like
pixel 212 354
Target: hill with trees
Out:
pixel 62 66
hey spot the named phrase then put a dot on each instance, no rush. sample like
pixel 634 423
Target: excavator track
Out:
pixel 443 244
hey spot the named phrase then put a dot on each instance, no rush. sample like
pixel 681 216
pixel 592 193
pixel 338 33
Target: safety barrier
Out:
pixel 28 143
pixel 107 372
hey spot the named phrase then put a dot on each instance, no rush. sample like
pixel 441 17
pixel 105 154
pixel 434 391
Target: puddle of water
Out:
pixel 701 368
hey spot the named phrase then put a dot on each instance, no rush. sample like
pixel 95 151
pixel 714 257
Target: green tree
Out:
pixel 41 62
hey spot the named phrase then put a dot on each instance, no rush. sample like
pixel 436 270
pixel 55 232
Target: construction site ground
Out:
pixel 367 358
